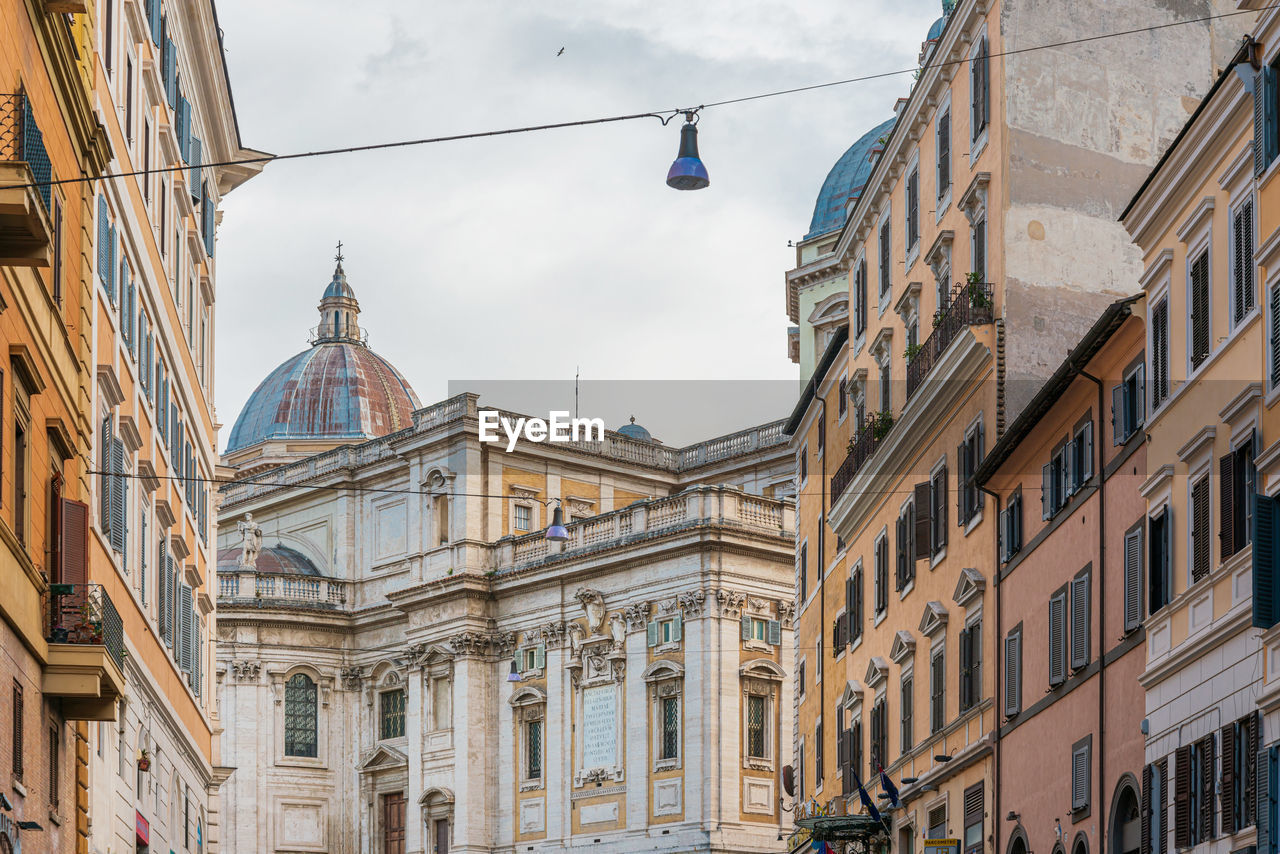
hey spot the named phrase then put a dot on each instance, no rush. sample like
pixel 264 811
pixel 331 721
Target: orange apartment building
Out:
pixel 60 665
pixel 1068 754
pixel 161 89
pixel 982 246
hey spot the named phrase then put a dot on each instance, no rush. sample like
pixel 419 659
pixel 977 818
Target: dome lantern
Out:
pixel 339 309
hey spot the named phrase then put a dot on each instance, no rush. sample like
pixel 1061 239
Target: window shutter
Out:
pixel 1013 674
pixel 1242 238
pixel 1226 503
pixel 651 633
pixel 193 175
pixel 940 505
pixel 540 657
pixel 1199 309
pixel 1266 561
pixel 907 701
pixel 966 668
pixel 1144 812
pixel 73 556
pixel 1057 624
pixel 1260 144
pixel 985 59
pixel 1250 747
pixel 111 263
pixel 162 585
pixel 117 495
pixel 1200 530
pixel 1207 779
pixel 1004 533
pixel 1275 335
pixel 944 153
pixel 1182 797
pixel 677 628
pixel 1132 580
pixel 842 757
pixel 924 520
pixel 1079 622
pixel 104 236
pixel 1265 786
pixel 1086 453
pixel 1229 781
pixel 900 537
pixel 1080 777
pixel 1118 427
pixel 775 632
pixel 1046 482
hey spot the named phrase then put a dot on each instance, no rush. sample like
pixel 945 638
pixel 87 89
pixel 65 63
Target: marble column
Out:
pixel 636 727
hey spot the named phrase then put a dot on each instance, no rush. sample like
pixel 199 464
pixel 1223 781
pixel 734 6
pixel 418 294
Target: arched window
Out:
pixel 300 716
pixel 1081 845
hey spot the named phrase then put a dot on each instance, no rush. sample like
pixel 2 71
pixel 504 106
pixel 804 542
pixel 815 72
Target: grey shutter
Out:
pixel 1227 504
pixel 924 520
pixel 184 627
pixel 1013 674
pixel 651 633
pixel 1057 625
pixel 104 237
pixel 1079 621
pixel 1200 529
pixel 966 668
pixel 746 627
pixel 1086 453
pixel 677 628
pixel 1069 470
pixel 193 175
pixel 1080 777
pixel 1003 533
pixel 1140 397
pixel 775 632
pixel 117 495
pixel 1046 481
pixel 1228 779
pixel 1266 561
pixel 1260 146
pixel 1132 579
pixel 1118 426
pixel 540 657
pixel 1144 812
pixel 1200 309
pixel 162 585
pixel 1266 801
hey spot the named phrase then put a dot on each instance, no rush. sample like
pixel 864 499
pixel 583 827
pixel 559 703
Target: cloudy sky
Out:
pixel 523 257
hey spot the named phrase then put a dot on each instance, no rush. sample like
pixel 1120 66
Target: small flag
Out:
pixel 866 799
pixel 887 784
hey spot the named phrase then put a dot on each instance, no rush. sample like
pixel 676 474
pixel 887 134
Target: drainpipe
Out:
pixel 999 681
pixel 1102 616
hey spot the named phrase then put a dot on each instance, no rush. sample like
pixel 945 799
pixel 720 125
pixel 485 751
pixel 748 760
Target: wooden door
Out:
pixel 393 810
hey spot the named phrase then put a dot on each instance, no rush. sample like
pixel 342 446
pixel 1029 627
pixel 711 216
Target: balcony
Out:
pixel 292 590
pixel 970 305
pixel 26 231
pixel 86 651
pixel 866 439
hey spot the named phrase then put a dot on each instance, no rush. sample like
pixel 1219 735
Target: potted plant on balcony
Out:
pixel 912 351
pixel 90 628
pixel 144 760
pixel 879 423
pixel 978 296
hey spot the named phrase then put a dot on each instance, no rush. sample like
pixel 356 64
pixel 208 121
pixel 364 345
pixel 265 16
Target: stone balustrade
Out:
pixel 294 589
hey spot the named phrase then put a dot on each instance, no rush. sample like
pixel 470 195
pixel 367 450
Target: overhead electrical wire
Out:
pixel 664 115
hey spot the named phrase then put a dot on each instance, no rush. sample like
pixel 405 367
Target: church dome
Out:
pixel 336 389
pixel 274 559
pixel 635 431
pixel 845 182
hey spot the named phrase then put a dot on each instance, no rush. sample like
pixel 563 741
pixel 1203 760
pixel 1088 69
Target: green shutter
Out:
pixel 677 627
pixel 1266 561
pixel 746 627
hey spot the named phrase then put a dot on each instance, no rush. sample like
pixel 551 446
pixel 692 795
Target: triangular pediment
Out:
pixel 904 646
pixel 969 587
pixel 852 694
pixel 933 619
pixel 877 670
pixel 382 758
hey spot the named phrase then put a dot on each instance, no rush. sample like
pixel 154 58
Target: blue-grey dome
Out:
pixel 635 431
pixel 338 287
pixel 845 181
pixel 935 32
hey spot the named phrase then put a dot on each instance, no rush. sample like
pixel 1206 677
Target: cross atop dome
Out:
pixel 338 257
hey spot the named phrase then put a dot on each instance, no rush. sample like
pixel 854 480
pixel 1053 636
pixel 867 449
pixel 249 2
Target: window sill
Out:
pixel 758 764
pixel 19 788
pixel 531 785
pixel 906 589
pixel 979 145
pixel 944 205
pixel 880 618
pixel 666 764
pixel 669 646
pixel 974 521
pixel 913 254
pixel 757 645
pixel 937 558
pixel 301 762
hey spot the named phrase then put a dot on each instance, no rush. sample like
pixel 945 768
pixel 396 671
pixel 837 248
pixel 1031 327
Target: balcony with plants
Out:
pixel 26 227
pixel 86 651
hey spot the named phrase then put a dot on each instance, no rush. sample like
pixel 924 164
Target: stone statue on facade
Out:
pixel 593 607
pixel 250 541
pixel 618 631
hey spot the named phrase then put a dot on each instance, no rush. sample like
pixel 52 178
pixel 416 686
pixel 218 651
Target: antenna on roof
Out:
pixel 577 370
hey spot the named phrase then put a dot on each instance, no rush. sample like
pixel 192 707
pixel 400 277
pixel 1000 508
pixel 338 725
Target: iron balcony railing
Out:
pixel 970 305
pixel 84 614
pixel 867 437
pixel 21 141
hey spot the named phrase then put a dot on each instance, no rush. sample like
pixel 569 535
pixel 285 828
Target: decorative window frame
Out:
pixel 884 295
pixel 858 339
pixel 324 689
pixel 913 251
pixel 528 703
pixel 665 680
pixel 525 496
pixel 385 678
pixel 904 648
pixel 1196 235
pixel 762 677
pixel 970 586
pixel 1267 256
pixel 934 620
pixel 943 201
pixel 1241 196
pixel 978 144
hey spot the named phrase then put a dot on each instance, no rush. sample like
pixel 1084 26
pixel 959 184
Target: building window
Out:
pixel 1080 622
pixel 1273 332
pixel 860 298
pixel 973 818
pixel 802 571
pixel 1133 578
pixel 761 630
pixel 980 89
pixel 1127 405
pixel 886 257
pixel 1159 354
pixel 818 771
pixel 1239 779
pixel 1266 122
pixel 906 699
pixel 938 822
pixel 970 454
pixel 937 690
pixel 15 740
pixel 300 716
pixel 757 727
pixel 942 133
pixel 1195 784
pixel 1242 296
pixel 1011 526
pixel 1080 774
pixel 1200 528
pixel 885 403
pixel 1013 672
pixel 670 710
pixel 533 750
pixel 392 714
pixel 882 575
pixel 1237 484
pixel 1159 576
pixel 905 571
pixel 879 733
pixel 1155 787
pixel 970 666
pixel 55 759
pixel 913 209
pixel 663 632
pixel 842 399
pixel 523 517
pixel 1198 333
pixel 800 677
pixel 441 703
pixel 853 603
pixel 978 250
pixel 1058 637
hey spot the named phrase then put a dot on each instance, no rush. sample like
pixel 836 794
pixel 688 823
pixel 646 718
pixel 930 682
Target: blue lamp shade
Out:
pixel 514 675
pixel 557 532
pixel 688 171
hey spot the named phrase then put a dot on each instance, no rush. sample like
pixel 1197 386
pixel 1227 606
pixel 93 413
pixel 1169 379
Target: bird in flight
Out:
pixel 560 51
